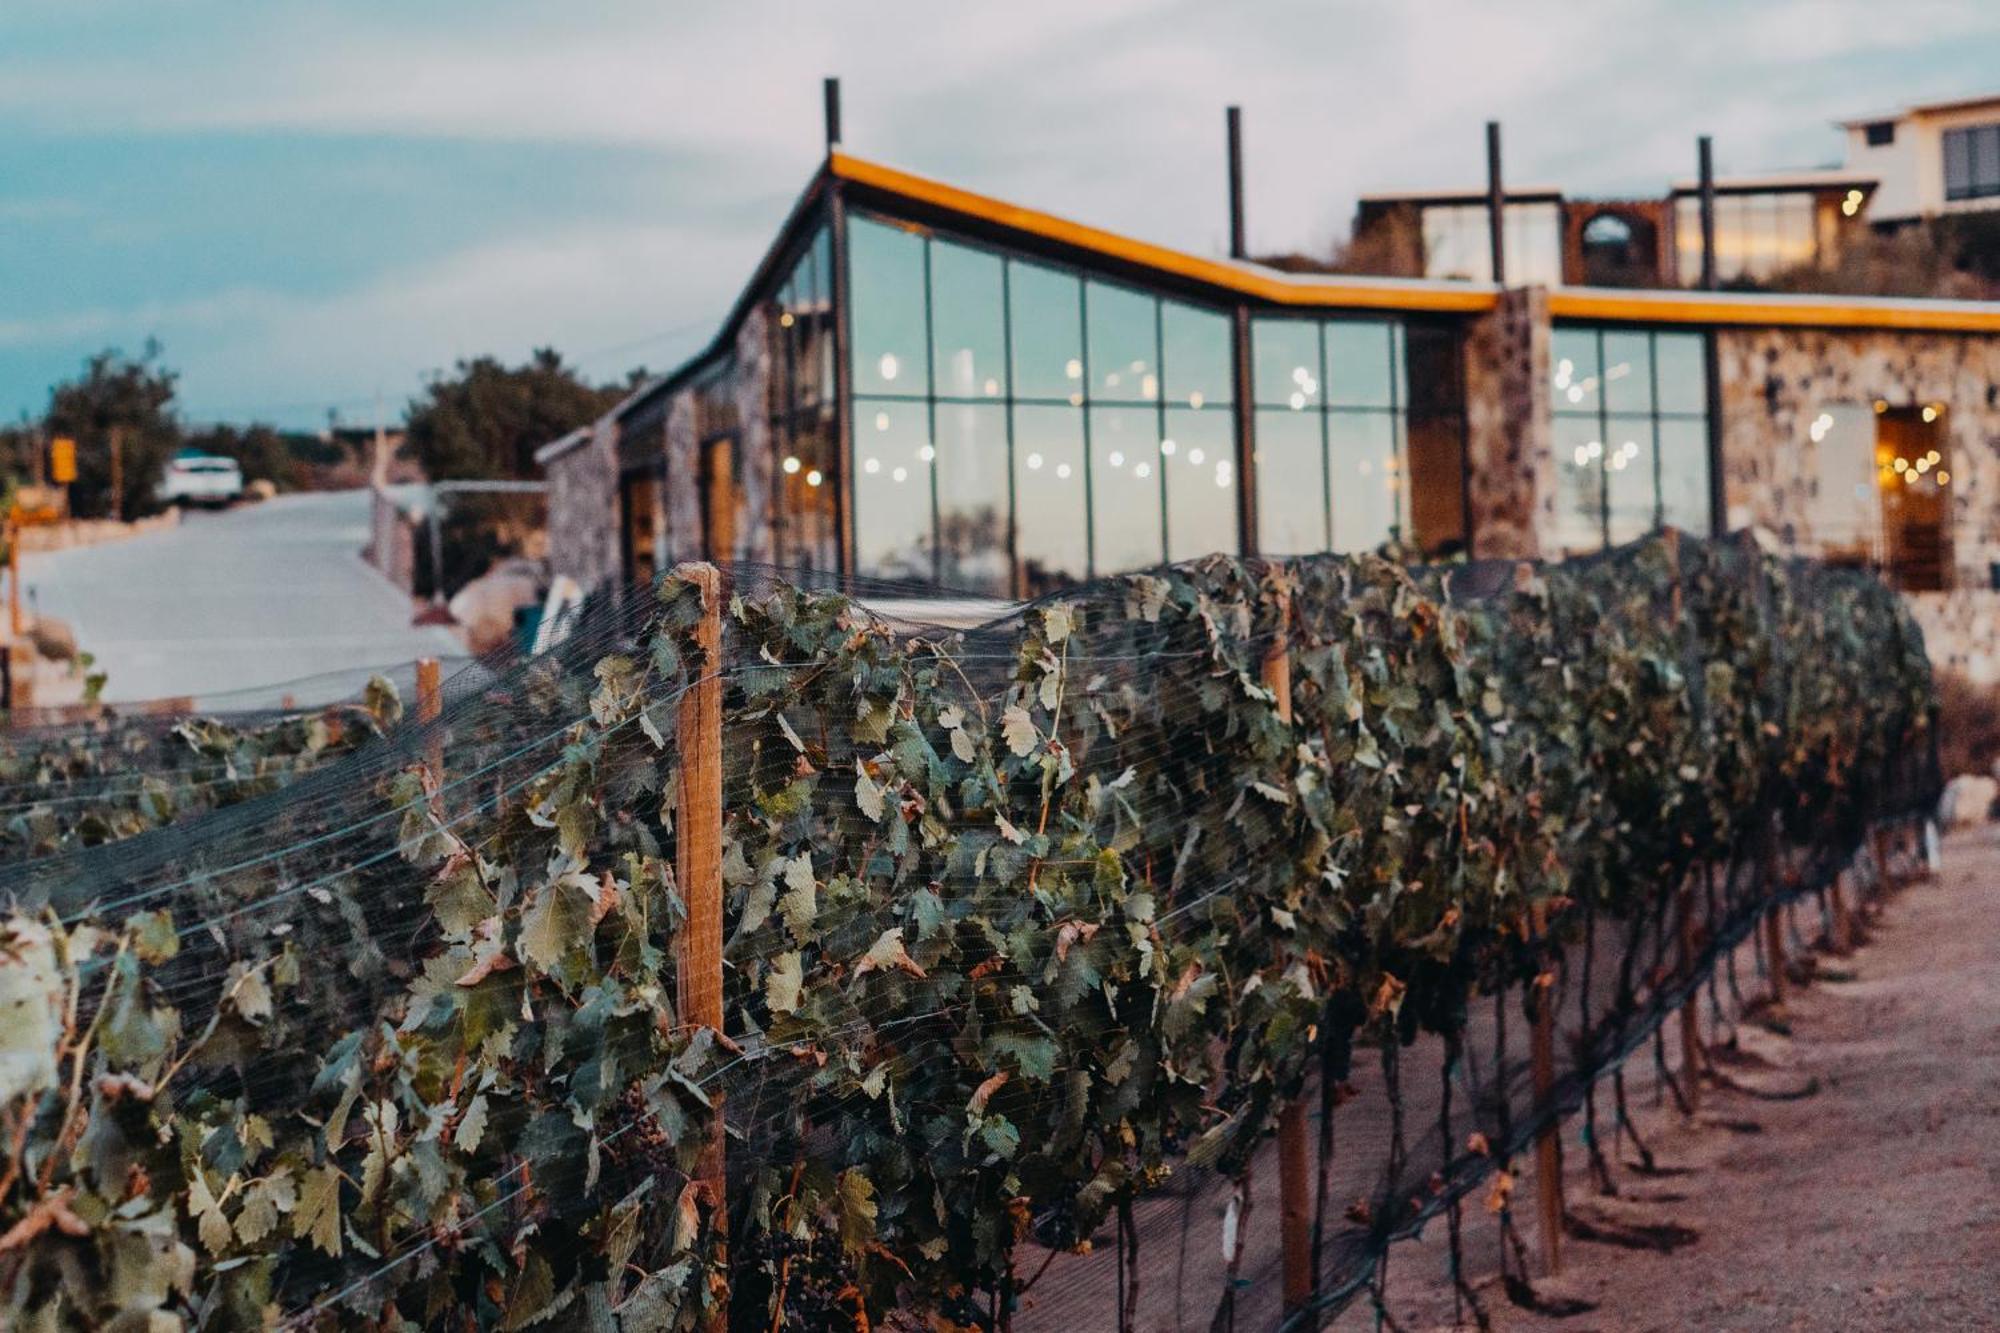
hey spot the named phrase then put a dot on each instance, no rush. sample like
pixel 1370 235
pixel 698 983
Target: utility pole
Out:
pixel 1496 204
pixel 117 473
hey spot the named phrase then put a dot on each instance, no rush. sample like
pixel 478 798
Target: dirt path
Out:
pixel 1873 1204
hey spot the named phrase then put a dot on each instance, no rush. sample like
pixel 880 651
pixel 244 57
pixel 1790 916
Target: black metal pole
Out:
pixel 832 91
pixel 1496 203
pixel 1705 151
pixel 1238 247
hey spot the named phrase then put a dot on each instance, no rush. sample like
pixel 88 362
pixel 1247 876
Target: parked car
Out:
pixel 202 479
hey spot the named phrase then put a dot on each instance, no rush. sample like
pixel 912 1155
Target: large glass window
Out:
pixel 1347 421
pixel 1046 426
pixel 1757 235
pixel 887 309
pixel 805 534
pixel 1630 433
pixel 1458 242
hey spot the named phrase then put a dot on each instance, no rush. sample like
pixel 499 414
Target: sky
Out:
pixel 318 206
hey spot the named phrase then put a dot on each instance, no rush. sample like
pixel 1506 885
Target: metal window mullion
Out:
pixel 930 421
pixel 1325 442
pixel 1659 463
pixel 1603 448
pixel 1083 358
pixel 1399 428
pixel 1160 403
pixel 1007 369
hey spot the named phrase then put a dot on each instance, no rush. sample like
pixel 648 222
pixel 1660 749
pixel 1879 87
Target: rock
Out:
pixel 1968 800
pixel 485 606
pixel 53 639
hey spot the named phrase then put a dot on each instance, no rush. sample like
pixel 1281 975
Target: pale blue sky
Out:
pixel 311 209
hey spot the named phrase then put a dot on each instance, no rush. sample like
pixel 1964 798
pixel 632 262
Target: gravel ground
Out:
pixel 1872 1204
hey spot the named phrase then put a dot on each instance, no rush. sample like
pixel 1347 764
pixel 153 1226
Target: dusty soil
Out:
pixel 1873 1203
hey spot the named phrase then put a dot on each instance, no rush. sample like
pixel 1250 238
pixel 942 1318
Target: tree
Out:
pixel 263 452
pixel 120 402
pixel 488 419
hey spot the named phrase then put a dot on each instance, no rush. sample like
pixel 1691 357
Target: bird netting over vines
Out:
pixel 1032 931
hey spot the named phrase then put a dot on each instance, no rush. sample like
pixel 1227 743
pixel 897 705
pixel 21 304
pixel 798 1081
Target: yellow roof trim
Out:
pixel 1763 311
pixel 1247 279
pixel 1430 295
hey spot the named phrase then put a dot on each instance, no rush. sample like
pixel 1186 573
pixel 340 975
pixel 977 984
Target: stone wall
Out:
pixel 683 481
pixel 583 508
pixel 392 540
pixel 1776 381
pixel 1508 437
pixel 756 538
pixel 1961 631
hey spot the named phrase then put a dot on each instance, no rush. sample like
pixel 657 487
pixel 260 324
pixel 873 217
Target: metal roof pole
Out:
pixel 1496 204
pixel 1238 245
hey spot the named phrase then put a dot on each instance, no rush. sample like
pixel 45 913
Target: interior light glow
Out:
pixel 1298 401
pixel 881 421
pixel 992 388
pixel 813 478
pixel 1073 368
pixel 1195 399
pixel 792 464
pixel 888 365
pixel 785 320
pixel 1117 459
pixel 927 453
pixel 1062 471
pixel 1143 470
pixel 1034 462
pixel 1930 413
pixel 900 474
pixel 871 465
pixel 1167 447
pixel 1149 387
pixel 1195 457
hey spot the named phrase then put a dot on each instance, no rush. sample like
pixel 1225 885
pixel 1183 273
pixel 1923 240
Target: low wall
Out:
pixel 1961 631
pixel 392 541
pixel 93 531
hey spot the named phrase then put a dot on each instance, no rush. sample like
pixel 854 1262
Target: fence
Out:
pixel 1152 957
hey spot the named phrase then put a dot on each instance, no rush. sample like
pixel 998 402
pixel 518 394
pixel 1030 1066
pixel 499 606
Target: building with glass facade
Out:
pixel 929 386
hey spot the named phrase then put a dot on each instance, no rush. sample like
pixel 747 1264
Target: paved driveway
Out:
pixel 265 595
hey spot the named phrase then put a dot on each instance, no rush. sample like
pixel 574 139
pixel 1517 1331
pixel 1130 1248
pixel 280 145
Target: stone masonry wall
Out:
pixel 583 509
pixel 1775 381
pixel 1509 439
pixel 683 481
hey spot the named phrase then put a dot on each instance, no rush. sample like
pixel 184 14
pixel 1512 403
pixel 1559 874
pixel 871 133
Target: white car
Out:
pixel 202 479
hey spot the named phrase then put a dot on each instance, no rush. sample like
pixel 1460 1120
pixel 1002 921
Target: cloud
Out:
pixel 1110 112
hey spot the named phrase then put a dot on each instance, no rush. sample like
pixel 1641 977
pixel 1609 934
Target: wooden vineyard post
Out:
pixel 1774 951
pixel 1548 1144
pixel 1843 925
pixel 430 705
pixel 698 859
pixel 1690 1007
pixel 1295 1200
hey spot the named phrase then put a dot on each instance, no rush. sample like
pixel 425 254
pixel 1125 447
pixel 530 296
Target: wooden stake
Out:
pixel 698 858
pixel 1690 1007
pixel 1774 952
pixel 430 705
pixel 1843 924
pixel 1548 1144
pixel 14 579
pixel 1295 1198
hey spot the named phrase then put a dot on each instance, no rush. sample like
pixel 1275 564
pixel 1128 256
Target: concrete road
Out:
pixel 229 603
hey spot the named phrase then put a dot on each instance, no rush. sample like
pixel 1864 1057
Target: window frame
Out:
pixel 1221 405
pixel 1602 412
